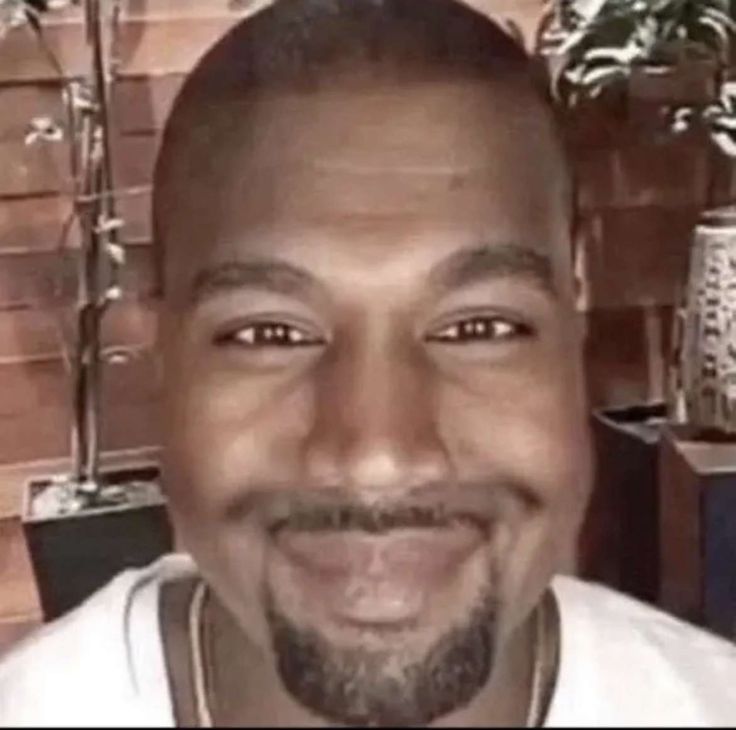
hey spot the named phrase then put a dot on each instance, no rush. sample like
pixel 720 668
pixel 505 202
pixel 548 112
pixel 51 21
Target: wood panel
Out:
pixel 142 104
pixel 644 174
pixel 46 278
pixel 36 332
pixel 159 37
pixel 34 224
pixel 626 352
pixel 35 413
pixel 636 256
pixel 34 170
pixel 158 43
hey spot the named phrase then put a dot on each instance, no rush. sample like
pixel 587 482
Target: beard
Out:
pixel 364 686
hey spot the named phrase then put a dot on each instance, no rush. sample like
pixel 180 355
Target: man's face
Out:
pixel 375 440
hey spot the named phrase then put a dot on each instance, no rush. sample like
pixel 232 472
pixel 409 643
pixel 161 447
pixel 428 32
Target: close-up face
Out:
pixel 376 446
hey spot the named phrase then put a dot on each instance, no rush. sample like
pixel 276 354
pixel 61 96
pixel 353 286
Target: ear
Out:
pixel 581 292
pixel 157 343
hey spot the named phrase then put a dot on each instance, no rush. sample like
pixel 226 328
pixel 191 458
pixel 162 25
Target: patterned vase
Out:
pixel 707 354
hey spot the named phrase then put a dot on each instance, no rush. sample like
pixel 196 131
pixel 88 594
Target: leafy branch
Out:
pixel 15 13
pixel 589 55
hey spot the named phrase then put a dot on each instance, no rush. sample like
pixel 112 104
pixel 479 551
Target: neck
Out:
pixel 244 687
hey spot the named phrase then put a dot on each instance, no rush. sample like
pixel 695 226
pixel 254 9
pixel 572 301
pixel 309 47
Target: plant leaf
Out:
pixel 617 55
pixel 725 142
pixel 601 76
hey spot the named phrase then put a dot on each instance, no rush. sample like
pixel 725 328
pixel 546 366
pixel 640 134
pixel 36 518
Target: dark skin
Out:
pixel 380 301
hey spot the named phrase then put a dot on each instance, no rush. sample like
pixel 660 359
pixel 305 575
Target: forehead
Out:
pixel 382 162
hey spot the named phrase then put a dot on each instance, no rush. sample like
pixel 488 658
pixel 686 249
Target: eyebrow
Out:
pixel 479 263
pixel 462 268
pixel 268 274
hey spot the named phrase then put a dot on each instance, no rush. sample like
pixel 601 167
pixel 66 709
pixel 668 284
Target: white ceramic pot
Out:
pixel 707 358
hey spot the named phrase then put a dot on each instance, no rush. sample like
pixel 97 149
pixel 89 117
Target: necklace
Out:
pixel 543 671
pixel 201 705
pixel 541 679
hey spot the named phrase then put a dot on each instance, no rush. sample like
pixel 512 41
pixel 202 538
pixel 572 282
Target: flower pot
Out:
pixel 707 350
pixel 683 82
pixel 656 90
pixel 621 536
pixel 76 549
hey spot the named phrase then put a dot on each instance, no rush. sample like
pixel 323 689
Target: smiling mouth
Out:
pixel 374 519
pixel 384 580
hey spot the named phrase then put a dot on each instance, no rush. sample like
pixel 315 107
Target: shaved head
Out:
pixel 305 49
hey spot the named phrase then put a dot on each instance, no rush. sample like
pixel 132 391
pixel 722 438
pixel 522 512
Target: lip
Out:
pixel 376 580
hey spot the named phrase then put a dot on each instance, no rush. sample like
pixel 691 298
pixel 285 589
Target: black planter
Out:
pixel 624 518
pixel 76 553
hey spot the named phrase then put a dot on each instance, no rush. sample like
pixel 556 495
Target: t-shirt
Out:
pixel 621 662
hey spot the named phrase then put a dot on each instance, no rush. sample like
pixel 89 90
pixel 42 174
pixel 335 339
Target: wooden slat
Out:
pixel 645 174
pixel 36 333
pixel 48 279
pixel 146 47
pixel 33 169
pixel 618 353
pixel 141 104
pixel 189 9
pixel 135 210
pixel 168 36
pixel 35 414
pixel 29 278
pixel 34 224
pixel 41 383
pixel 45 432
pixel 636 256
pixel 44 168
pixel 21 103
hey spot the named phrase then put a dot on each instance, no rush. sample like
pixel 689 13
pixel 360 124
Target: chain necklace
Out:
pixel 540 672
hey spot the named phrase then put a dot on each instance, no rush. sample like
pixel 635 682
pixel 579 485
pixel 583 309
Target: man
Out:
pixel 375 440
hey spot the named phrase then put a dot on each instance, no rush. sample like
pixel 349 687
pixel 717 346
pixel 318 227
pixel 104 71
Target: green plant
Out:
pixel 596 51
pixel 14 13
pixel 590 54
pixel 101 254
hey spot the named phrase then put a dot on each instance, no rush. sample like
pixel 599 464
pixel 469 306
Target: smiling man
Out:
pixel 375 437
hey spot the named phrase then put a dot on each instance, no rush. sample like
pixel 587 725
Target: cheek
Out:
pixel 528 426
pixel 527 423
pixel 228 433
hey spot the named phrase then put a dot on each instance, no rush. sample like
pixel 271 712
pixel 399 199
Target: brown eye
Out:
pixel 268 334
pixel 479 329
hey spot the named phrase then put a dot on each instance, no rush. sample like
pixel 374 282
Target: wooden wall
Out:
pixel 640 197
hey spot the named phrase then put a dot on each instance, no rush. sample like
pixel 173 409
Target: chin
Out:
pixel 397 675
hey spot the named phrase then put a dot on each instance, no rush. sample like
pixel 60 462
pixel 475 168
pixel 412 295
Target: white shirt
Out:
pixel 621 662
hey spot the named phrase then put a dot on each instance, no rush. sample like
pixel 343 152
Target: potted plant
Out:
pixel 652 66
pixel 627 41
pixel 85 526
pixel 673 54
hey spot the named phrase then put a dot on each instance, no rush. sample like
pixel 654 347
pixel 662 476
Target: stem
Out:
pixel 94 208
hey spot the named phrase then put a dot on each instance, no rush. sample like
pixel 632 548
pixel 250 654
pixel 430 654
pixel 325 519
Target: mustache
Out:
pixel 331 509
pixel 376 520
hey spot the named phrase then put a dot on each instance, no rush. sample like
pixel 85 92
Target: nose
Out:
pixel 375 423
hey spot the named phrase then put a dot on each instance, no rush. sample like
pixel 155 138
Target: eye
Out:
pixel 479 329
pixel 268 334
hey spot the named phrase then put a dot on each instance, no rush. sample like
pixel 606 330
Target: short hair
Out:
pixel 303 44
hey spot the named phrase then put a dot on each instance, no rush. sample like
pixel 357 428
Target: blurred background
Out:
pixel 648 164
